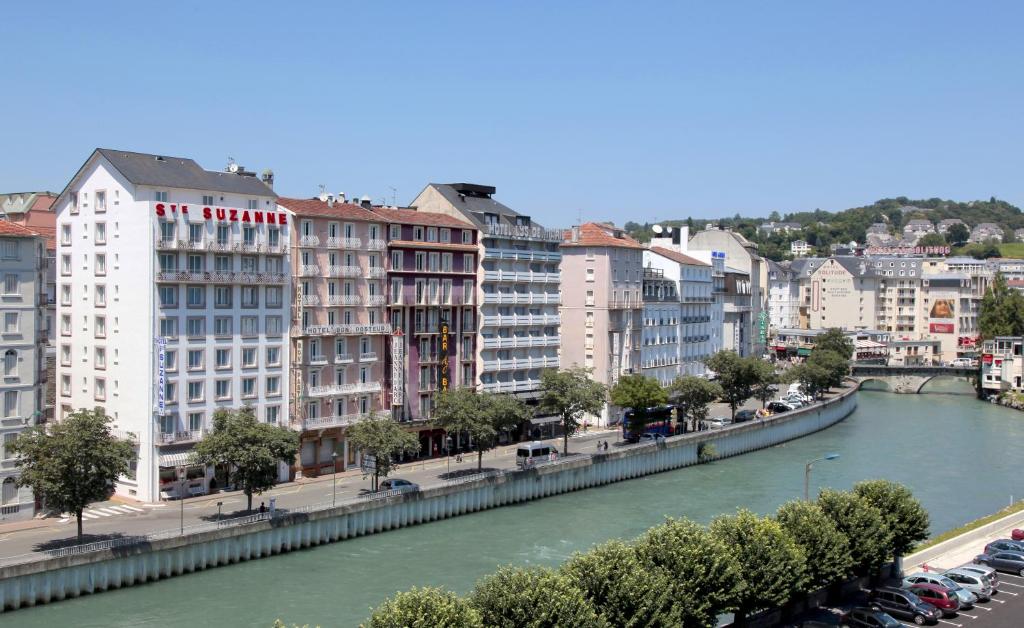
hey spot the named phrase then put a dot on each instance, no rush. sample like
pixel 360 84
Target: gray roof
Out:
pixel 182 173
pixel 475 200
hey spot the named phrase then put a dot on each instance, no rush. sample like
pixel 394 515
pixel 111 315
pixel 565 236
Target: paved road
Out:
pixel 120 518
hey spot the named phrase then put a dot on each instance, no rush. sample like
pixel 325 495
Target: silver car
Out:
pixel 974 582
pixel 966 598
pixel 990 574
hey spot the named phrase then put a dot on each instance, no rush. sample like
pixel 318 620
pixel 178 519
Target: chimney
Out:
pixel 330 201
pixel 365 202
pixel 341 197
pixel 576 233
pixel 268 177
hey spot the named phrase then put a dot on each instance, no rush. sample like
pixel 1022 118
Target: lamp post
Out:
pixel 448 451
pixel 807 473
pixel 334 480
pixel 181 498
pixel 219 504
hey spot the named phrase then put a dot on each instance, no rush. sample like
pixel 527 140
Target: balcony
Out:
pixel 172 438
pixel 527 277
pixel 375 272
pixel 219 277
pixel 309 270
pixel 335 390
pixel 511 387
pixel 515 364
pixel 357 329
pixel 522 298
pixel 521 342
pixel 343 358
pixel 344 299
pixel 309 240
pixel 707 299
pixel 516 254
pixel 317 360
pixel 376 299
pixel 310 299
pixel 369 356
pixel 521 319
pixel 619 304
pixel 178 245
pixel 344 271
pixel 321 422
pixel 376 245
pixel 335 242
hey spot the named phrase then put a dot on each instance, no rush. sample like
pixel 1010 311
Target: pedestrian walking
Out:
pixel 606 445
pixel 263 507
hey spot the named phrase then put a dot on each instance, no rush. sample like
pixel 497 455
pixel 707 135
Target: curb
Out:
pixel 936 551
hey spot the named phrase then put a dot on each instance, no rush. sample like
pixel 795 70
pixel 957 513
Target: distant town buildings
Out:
pixel 799 248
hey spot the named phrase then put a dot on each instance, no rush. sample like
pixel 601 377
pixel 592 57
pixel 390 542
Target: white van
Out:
pixel 532 453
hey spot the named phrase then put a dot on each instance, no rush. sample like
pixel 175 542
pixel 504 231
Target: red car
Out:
pixel 1017 535
pixel 938 596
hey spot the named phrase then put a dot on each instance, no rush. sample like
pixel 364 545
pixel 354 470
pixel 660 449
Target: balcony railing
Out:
pixel 620 304
pixel 310 299
pixel 190 436
pixel 521 342
pixel 376 299
pixel 521 319
pixel 369 356
pixel 317 360
pixel 510 387
pixel 344 243
pixel 344 330
pixel 375 272
pixel 343 358
pixel 516 254
pixel 521 298
pixel 342 389
pixel 344 299
pixel 514 364
pixel 309 270
pixel 220 277
pixel 178 245
pixel 528 277
pixel 376 245
pixel 344 271
pixel 331 421
pixel 309 240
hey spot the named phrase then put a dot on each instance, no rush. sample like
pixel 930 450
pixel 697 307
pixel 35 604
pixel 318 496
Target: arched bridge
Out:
pixel 910 379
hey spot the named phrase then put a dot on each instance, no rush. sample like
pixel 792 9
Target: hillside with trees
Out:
pixel 821 228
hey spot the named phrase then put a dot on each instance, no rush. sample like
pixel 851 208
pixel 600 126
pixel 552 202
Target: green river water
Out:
pixel 961 457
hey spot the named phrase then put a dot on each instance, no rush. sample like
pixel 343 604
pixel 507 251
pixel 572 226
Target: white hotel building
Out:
pixel 160 258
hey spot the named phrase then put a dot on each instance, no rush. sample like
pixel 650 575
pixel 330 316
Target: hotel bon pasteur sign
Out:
pixel 221 214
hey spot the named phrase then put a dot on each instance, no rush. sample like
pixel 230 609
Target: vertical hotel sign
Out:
pixel 161 375
pixel 397 369
pixel 443 375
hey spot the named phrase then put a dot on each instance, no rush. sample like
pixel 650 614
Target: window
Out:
pixel 11 361
pixel 249 264
pixel 170 360
pixel 195 421
pixel 273 356
pixel 395 232
pixel 101 264
pixel 169 327
pixel 223 359
pixel 467 263
pixel 248 357
pixel 223 235
pixel 250 326
pixel 273 386
pixel 222 263
pixel 207 200
pixel 101 233
pixel 467 236
pixel 222 389
pixel 11 322
pixel 195 233
pixel 195 359
pixel 195 296
pixel 65 294
pixel 160 196
pixel 99 356
pixel 10 403
pixel 271 414
pixel 417 234
pixel 65 235
pixel 65 385
pixel 195 327
pixel 100 389
pixel 101 295
pixel 168 296
pixel 274 296
pixel 248 387
pixel 222 326
pixel 250 296
pixel 10 284
pixel 274 326
pixel 254 203
pixel 222 296
pixel 196 263
pixel 396 260
pixel 273 236
pixel 195 391
pixel 446 235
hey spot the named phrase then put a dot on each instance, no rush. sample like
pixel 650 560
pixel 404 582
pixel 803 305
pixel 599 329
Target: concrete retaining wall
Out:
pixel 58 578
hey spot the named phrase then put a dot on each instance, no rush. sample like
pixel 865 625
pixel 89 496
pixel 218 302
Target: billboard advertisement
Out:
pixel 942 317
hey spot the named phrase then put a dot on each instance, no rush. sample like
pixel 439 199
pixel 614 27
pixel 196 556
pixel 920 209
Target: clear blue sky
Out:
pixel 624 111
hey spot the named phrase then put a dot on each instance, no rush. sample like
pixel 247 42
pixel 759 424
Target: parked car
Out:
pixel 902 603
pixel 938 596
pixel 717 422
pixel 1004 545
pixel 868 618
pixel 966 598
pixel 974 582
pixel 745 415
pixel 988 572
pixel 1017 534
pixel 796 402
pixel 964 363
pixel 778 407
pixel 398 484
pixel 1012 562
pixel 531 453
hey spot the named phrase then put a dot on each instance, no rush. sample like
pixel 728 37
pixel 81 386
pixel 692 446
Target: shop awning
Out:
pixel 541 420
pixel 868 345
pixel 179 459
pixel 804 351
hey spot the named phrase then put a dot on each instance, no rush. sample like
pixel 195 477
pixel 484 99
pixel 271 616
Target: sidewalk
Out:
pixel 963 548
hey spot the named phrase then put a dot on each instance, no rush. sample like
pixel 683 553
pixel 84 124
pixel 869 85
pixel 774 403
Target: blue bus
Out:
pixel 659 421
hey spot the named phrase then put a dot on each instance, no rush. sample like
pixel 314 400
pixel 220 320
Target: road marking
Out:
pixel 1011 584
pixel 982 608
pixel 1010 575
pixel 118 510
pixel 133 508
pixel 1007 592
pixel 95 512
pixel 86 515
pixel 109 511
pixel 154 505
pixel 951 623
pixel 966 615
pixel 995 600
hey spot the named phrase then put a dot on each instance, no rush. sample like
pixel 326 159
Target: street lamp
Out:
pixel 334 480
pixel 449 442
pixel 219 504
pixel 807 472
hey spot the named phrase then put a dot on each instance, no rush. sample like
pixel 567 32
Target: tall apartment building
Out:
pixel 518 289
pixel 431 301
pixel 173 297
pixel 23 388
pixel 34 210
pixel 602 307
pixel 339 326
pixel 699 314
pixel 783 296
pixel 659 349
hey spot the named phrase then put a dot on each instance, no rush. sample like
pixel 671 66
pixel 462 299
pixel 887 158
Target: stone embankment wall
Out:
pixel 59 578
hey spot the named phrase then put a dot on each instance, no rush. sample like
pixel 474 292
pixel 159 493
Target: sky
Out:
pixel 611 111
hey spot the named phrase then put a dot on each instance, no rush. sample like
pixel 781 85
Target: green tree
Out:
pixel 765 380
pixel 771 563
pixel 826 549
pixel 863 526
pixel 570 394
pixel 813 379
pixel 639 393
pixel 73 462
pixel 623 590
pixel 737 377
pixel 693 396
pixel 958 234
pixel 904 515
pixel 480 416
pixel 706 578
pixel 832 363
pixel 532 598
pixel 249 450
pixel 383 439
pixel 932 239
pixel 424 608
pixel 1002 310
pixel 836 341
pixel 505 413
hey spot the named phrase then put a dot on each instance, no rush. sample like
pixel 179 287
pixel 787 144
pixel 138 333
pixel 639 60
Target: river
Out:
pixel 961 457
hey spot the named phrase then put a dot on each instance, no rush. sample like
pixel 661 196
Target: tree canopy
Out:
pixel 693 395
pixel 1002 310
pixel 958 234
pixel 737 376
pixel 532 598
pixel 834 340
pixel 639 393
pixel 383 439
pixel 425 608
pixel 864 527
pixel 826 549
pixel 570 394
pixel 904 515
pixel 73 462
pixel 482 416
pixel 250 451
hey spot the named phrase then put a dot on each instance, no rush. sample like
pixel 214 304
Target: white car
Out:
pixel 717 422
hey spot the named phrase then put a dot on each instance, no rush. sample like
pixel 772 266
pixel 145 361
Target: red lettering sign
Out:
pixel 225 214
